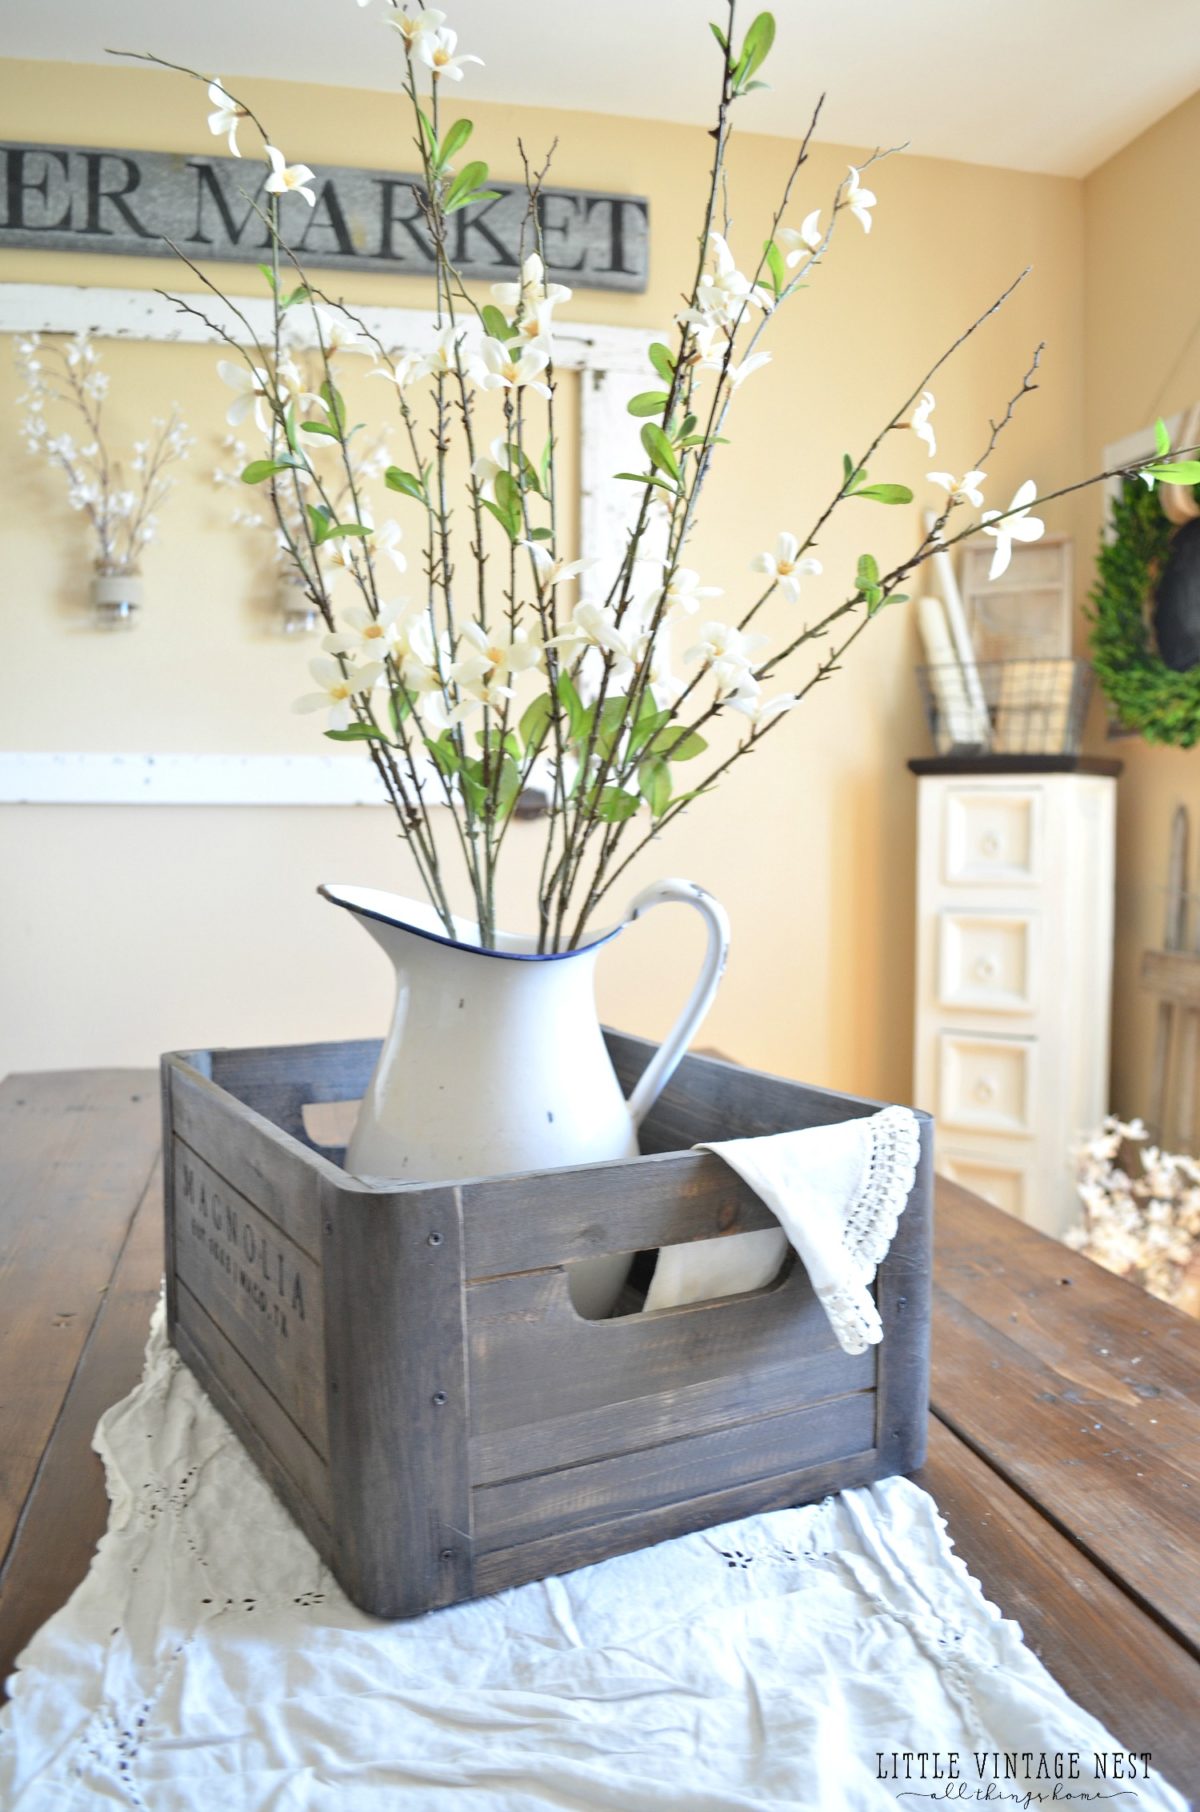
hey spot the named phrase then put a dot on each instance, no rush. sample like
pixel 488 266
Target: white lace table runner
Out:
pixel 209 1663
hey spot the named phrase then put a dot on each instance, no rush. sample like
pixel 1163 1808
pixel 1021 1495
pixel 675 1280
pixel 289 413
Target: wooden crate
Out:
pixel 407 1370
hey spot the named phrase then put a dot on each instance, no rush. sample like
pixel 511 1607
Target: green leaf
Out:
pixel 454 141
pixel 405 483
pixel 511 529
pixel 495 322
pixel 579 715
pixel 508 501
pixel 399 707
pixel 269 274
pixel 444 752
pixel 1162 440
pixel 320 522
pixel 258 469
pixel 614 805
pixel 776 266
pixel 677 744
pixel 686 427
pixel 647 478
pixel 468 178
pixel 357 733
pixel 469 201
pixel 650 722
pixel 507 788
pixel 756 47
pixel 535 721
pixel 470 778
pixel 885 493
pixel 332 397
pixel 1185 471
pixel 868 571
pixel 701 440
pixel 427 129
pixel 654 784
pixel 719 35
pixel 299 294
pixel 320 428
pixel 648 402
pixel 358 529
pixel 661 452
pixel 663 363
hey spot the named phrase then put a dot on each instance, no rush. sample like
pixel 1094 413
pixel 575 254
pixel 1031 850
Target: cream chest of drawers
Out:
pixel 1014 975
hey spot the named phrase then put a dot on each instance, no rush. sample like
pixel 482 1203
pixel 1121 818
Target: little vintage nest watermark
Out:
pixel 503 653
pixel 1015 1777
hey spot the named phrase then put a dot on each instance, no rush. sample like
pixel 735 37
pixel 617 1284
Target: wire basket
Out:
pixel 1019 707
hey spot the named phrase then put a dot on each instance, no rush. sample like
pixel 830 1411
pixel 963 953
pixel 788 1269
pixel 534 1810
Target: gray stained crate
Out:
pixel 407 1370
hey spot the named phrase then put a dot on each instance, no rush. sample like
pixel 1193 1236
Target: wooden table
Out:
pixel 1064 1443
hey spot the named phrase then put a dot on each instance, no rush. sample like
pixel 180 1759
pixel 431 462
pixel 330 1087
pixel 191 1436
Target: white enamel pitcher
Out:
pixel 495 1061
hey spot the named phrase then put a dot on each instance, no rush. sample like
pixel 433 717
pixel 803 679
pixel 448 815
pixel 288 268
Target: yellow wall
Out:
pixel 1142 310
pixel 128 930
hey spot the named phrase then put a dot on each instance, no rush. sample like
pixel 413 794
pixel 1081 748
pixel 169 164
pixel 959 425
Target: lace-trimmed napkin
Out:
pixel 837 1192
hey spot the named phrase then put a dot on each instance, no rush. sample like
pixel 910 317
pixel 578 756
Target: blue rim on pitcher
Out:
pixel 338 895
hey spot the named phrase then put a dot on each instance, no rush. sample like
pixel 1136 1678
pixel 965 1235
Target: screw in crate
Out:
pixel 440 1397
pixel 435 1239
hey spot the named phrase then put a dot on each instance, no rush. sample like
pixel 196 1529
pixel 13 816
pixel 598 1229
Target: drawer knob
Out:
pixel 986 968
pixel 985 1090
pixel 990 844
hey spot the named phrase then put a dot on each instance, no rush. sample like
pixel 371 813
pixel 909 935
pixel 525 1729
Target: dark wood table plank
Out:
pixel 76 1150
pixel 1107 1653
pixel 66 1511
pixel 1109 1342
pixel 1041 1394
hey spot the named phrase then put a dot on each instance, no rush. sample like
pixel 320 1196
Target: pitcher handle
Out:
pixel 663 1064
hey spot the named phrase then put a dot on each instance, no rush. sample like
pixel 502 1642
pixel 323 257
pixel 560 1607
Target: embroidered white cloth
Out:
pixel 210 1664
pixel 837 1192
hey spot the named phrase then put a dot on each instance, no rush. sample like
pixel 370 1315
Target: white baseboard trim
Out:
pixel 48 778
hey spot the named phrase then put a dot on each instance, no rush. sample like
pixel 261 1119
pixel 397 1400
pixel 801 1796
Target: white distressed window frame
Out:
pixel 612 365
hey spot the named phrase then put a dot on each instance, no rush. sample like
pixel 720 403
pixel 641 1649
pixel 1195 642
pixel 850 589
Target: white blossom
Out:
pixel 595 626
pixel 532 292
pixel 801 243
pixel 500 369
pixel 551 571
pixel 226 114
pixel 251 387
pixel 960 490
pixel 723 292
pixel 489 658
pixel 436 49
pixel 683 593
pixel 337 689
pixel 920 421
pixel 786 567
pixel 860 201
pixel 288 179
pixel 728 654
pixel 1020 526
pixel 413 26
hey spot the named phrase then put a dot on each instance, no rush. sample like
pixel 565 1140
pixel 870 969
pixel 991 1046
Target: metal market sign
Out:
pixel 76 198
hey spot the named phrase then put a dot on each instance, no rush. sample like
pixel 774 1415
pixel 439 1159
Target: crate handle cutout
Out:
pixel 630 1304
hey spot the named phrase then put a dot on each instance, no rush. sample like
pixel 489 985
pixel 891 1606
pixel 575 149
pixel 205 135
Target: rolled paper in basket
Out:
pixel 956 719
pixel 1033 708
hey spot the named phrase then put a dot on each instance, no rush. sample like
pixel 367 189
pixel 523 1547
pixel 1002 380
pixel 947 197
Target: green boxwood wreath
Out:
pixel 1148 696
